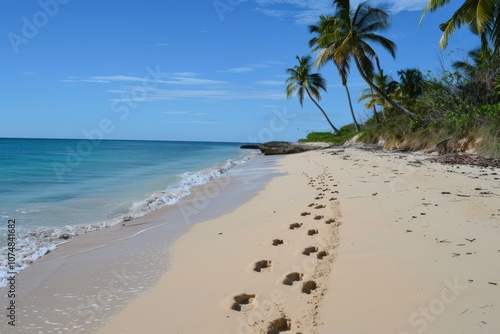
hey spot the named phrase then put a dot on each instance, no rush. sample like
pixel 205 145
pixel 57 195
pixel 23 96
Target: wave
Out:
pixel 35 242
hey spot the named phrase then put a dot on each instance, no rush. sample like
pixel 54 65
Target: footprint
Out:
pixel 277 242
pixel 317 217
pixel 319 207
pixel 263 264
pixel 242 302
pixel 330 221
pixel 312 232
pixel 311 205
pixel 322 254
pixel 309 250
pixel 303 214
pixel 295 226
pixel 279 325
pixel 308 287
pixel 291 278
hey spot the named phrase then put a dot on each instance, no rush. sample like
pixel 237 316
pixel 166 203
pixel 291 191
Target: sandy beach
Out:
pixel 341 241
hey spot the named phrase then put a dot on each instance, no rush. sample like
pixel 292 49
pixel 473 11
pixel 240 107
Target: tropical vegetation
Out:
pixel 417 109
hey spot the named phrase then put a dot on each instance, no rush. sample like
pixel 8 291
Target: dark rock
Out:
pixel 281 147
pixel 64 236
pixel 250 146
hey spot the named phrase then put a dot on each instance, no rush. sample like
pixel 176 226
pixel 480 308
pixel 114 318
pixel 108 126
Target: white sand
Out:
pixel 391 265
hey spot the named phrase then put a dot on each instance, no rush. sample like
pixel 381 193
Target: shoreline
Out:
pixel 91 277
pixel 339 240
pixel 391 263
pixel 37 241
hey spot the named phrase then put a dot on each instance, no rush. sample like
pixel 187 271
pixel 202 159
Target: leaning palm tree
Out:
pixel 482 16
pixel 348 39
pixel 302 80
pixel 323 29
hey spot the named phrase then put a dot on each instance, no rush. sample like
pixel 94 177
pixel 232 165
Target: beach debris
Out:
pixel 309 250
pixel 374 194
pixel 263 264
pixel 295 226
pixel 470 240
pixel 321 255
pixel 408 231
pixel 308 287
pixel 292 278
pixel 492 283
pixel 277 242
pixel 445 241
pixel 467 159
pixel 242 301
pixel 445 193
pixel 279 325
pixel 455 254
pixel 64 236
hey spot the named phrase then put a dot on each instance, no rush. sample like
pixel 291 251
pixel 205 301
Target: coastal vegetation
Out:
pixel 458 108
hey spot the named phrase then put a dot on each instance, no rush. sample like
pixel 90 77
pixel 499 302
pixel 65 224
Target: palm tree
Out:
pixel 323 29
pixel 411 84
pixel 347 38
pixel 302 80
pixel 482 16
pixel 480 75
pixel 386 84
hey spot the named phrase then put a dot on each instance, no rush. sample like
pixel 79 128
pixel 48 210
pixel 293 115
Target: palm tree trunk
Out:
pixel 324 114
pixel 352 111
pixel 382 94
pixel 375 113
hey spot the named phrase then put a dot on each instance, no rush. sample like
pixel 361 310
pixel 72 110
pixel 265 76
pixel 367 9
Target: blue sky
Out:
pixel 210 70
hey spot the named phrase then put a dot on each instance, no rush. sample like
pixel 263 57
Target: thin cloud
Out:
pixel 238 70
pixel 252 67
pixel 271 82
pixel 179 112
pixel 181 78
pixel 306 12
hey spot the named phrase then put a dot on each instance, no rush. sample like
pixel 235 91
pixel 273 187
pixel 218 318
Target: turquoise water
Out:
pixel 55 187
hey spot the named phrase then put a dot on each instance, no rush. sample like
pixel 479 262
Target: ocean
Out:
pixel 56 188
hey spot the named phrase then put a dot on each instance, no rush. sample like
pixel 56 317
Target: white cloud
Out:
pixel 271 82
pixel 238 70
pixel 180 78
pixel 307 11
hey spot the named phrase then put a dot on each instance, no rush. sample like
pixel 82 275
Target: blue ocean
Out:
pixel 69 187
